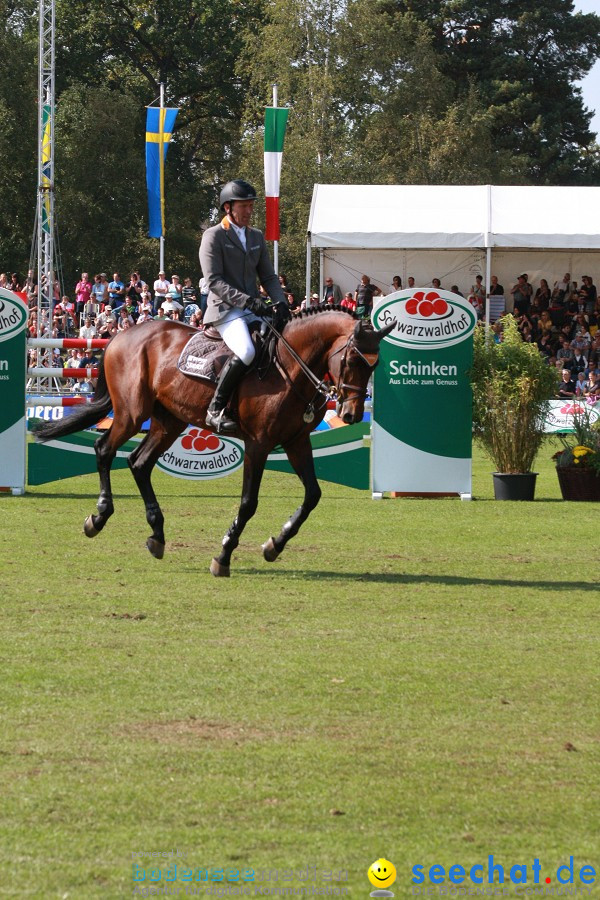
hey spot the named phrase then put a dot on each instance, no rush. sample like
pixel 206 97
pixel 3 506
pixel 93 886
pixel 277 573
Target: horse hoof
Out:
pixel 88 527
pixel 218 570
pixel 270 551
pixel 155 547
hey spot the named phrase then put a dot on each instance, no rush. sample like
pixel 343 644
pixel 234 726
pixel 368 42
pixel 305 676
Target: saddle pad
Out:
pixel 203 357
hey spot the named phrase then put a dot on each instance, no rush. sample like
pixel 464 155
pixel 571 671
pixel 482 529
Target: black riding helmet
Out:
pixel 236 190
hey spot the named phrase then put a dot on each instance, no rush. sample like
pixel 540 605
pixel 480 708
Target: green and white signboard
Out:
pixel 422 405
pixel 13 321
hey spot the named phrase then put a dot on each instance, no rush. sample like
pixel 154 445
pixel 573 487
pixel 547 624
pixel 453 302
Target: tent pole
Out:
pixel 488 259
pixel 308 267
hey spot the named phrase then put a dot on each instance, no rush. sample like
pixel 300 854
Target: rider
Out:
pixel 233 257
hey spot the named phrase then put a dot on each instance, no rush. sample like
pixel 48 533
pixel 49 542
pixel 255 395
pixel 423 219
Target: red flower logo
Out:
pixel 426 304
pixel 199 440
pixel 572 409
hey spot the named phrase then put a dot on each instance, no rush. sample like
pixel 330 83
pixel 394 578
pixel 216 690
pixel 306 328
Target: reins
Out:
pixel 320 387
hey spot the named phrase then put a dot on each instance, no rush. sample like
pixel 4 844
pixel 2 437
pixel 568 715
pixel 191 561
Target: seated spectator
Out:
pixel 593 386
pixel 454 289
pixel 578 363
pixel 103 321
pixel 477 304
pixel 144 316
pixel 545 345
pixel 145 302
pixel 594 351
pixel 566 387
pixel 124 316
pixel 348 301
pixel 169 305
pixel 580 383
pixel 131 306
pixel 161 315
pixel 196 319
pixel 565 352
pixel 88 330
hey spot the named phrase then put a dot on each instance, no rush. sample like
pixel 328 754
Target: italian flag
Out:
pixel 275 122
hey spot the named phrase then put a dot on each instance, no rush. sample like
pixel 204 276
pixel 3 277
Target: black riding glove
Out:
pixel 258 306
pixel 281 315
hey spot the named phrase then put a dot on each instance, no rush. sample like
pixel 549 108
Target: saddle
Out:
pixel 206 353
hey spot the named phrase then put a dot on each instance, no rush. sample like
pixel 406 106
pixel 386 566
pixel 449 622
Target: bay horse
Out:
pixel 139 379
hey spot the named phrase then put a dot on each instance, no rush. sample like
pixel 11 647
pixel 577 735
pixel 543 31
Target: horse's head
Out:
pixel 351 366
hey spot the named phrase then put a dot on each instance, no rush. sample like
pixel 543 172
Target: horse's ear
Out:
pixel 385 331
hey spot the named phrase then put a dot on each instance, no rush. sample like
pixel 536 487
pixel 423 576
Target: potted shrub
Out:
pixel 578 463
pixel 512 386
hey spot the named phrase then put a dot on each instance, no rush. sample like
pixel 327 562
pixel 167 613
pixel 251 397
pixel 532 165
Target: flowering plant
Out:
pixel 582 448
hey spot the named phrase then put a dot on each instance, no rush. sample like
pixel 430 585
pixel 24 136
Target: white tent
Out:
pixel 452 231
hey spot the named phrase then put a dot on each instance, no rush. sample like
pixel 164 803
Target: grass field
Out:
pixel 412 679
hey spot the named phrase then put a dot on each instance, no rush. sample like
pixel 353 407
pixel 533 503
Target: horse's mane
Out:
pixel 318 310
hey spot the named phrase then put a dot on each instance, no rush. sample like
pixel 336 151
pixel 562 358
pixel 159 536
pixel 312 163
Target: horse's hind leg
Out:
pixel 300 456
pixel 105 453
pixel 254 466
pixel 164 429
pixel 106 447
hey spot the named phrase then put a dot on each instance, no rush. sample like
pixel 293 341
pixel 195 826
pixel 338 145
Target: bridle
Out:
pixel 335 392
pixel 369 359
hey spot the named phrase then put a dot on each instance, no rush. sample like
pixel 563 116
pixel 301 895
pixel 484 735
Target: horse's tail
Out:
pixel 82 417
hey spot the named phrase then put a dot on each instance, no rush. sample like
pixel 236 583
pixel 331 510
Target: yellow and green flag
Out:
pixel 159 127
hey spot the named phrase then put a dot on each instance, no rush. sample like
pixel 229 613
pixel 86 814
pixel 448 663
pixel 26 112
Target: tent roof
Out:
pixel 454 216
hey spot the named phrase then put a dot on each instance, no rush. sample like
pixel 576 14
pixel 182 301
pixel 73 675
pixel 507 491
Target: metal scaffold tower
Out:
pixel 44 250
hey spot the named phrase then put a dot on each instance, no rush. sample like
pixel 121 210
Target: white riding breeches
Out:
pixel 234 331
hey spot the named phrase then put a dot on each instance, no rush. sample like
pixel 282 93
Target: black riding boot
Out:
pixel 216 418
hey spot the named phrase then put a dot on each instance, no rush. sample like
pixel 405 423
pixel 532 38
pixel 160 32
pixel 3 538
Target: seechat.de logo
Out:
pixel 426 319
pixel 200 454
pixel 13 317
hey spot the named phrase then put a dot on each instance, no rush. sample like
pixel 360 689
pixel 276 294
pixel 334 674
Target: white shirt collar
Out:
pixel 241 233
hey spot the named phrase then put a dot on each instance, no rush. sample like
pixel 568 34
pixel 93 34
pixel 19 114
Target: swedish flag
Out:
pixel 159 127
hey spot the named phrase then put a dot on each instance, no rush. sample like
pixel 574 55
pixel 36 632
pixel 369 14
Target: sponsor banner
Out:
pixel 199 454
pixel 561 414
pixel 13 322
pixel 422 407
pixel 340 456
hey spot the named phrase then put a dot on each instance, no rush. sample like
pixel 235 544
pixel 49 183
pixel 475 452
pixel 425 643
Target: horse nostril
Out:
pixel 348 418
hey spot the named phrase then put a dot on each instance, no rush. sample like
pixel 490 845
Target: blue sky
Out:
pixel 591 85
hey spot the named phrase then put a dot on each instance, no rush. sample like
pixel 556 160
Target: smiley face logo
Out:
pixel 381 873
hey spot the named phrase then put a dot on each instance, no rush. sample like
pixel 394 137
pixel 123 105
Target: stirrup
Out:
pixel 218 420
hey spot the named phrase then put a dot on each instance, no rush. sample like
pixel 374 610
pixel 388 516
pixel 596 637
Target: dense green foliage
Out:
pixel 512 386
pixel 380 91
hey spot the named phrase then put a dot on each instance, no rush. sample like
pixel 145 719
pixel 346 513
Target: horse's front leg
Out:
pixel 300 456
pixel 254 466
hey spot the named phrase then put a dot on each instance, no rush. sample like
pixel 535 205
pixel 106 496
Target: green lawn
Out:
pixel 412 679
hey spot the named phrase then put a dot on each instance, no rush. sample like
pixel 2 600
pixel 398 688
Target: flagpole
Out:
pixel 160 157
pixel 275 243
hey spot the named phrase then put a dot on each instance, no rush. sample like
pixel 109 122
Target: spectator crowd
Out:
pixel 562 320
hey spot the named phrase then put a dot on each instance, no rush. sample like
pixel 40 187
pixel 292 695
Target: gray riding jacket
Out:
pixel 232 273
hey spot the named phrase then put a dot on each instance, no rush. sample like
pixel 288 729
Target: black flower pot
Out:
pixel 514 487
